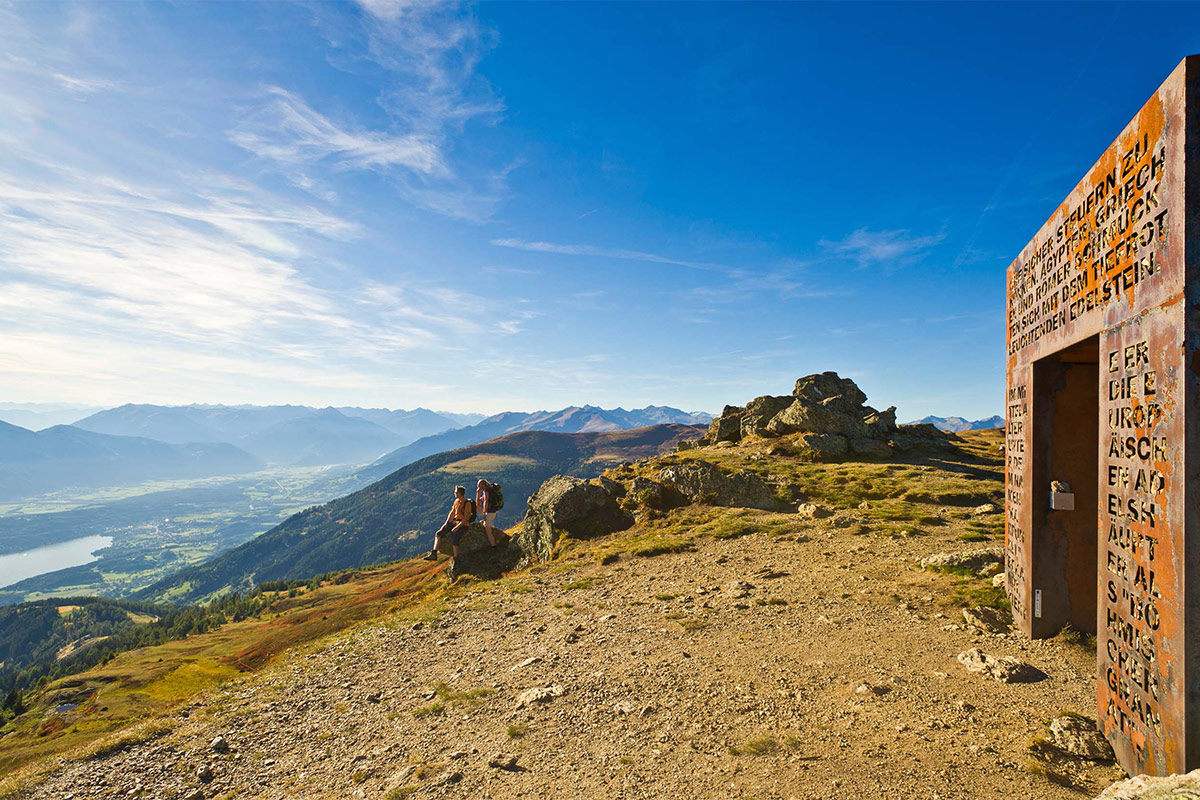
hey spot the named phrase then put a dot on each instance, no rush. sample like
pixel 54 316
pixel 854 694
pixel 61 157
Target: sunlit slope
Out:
pixel 394 517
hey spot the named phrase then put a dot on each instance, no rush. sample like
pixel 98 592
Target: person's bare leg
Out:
pixel 487 527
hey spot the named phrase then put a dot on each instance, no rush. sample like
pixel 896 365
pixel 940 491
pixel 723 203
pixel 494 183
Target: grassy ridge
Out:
pixel 84 710
pixel 127 697
pixel 395 517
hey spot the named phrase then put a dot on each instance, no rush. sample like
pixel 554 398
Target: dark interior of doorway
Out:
pixel 1066 448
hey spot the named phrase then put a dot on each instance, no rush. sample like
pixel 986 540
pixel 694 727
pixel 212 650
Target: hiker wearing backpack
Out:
pixel 488 499
pixel 461 515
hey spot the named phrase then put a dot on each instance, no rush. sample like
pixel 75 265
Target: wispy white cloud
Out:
pixel 601 252
pixel 288 130
pixel 429 53
pixel 82 85
pixel 884 247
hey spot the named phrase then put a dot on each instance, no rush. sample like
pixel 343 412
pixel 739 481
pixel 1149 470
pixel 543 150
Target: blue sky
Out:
pixel 519 206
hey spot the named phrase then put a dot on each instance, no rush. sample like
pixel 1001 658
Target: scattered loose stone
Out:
pixel 448 777
pixel 989 620
pixel 813 511
pixel 1078 736
pixel 219 745
pixel 973 560
pixel 504 761
pixel 538 694
pixel 527 662
pixel 1005 670
pixel 737 589
pixel 991 570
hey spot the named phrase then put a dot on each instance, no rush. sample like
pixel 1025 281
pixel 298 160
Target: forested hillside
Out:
pixel 395 517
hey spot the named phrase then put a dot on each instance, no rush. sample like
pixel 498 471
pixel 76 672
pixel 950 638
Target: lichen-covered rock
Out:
pixel 1078 735
pixel 813 511
pixel 566 505
pixel 825 445
pixel 881 423
pixel 829 386
pixel 1148 787
pixel 803 416
pixel 760 411
pixel 1005 670
pixel 870 448
pixel 725 428
pixel 974 559
pixel 648 493
pixel 824 404
pixel 472 540
pixel 987 619
pixel 701 482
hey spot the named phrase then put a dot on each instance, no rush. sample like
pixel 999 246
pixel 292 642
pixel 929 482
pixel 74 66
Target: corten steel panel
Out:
pixel 1111 261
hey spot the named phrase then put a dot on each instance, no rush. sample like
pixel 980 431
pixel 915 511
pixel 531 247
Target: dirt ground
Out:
pixel 800 660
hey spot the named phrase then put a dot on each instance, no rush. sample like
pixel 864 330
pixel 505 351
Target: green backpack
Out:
pixel 495 497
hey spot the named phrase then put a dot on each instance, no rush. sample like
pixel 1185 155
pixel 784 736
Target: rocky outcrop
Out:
pixel 566 506
pixel 1147 787
pixel 701 482
pixel 830 414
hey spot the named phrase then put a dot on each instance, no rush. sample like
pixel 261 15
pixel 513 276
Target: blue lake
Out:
pixel 39 561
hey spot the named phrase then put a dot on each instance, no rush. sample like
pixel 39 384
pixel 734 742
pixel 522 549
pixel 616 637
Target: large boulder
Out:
pixel 473 540
pixel 566 506
pixel 702 482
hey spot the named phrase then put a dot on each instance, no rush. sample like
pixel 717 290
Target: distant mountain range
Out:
pixel 36 416
pixel 958 424
pixel 395 517
pixel 137 442
pixel 64 456
pixel 288 435
pixel 574 419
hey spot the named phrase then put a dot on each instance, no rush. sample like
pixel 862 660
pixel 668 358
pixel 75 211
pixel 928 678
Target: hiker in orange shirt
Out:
pixel 460 517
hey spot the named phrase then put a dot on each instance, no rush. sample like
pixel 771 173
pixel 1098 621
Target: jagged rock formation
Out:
pixel 829 415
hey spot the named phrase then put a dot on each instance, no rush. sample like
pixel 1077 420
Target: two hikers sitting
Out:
pixel 463 513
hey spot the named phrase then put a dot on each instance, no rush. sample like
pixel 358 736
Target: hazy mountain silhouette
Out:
pixel 64 456
pixel 958 424
pixel 279 434
pixel 573 419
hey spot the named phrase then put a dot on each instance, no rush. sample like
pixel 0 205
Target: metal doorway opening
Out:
pixel 1066 431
